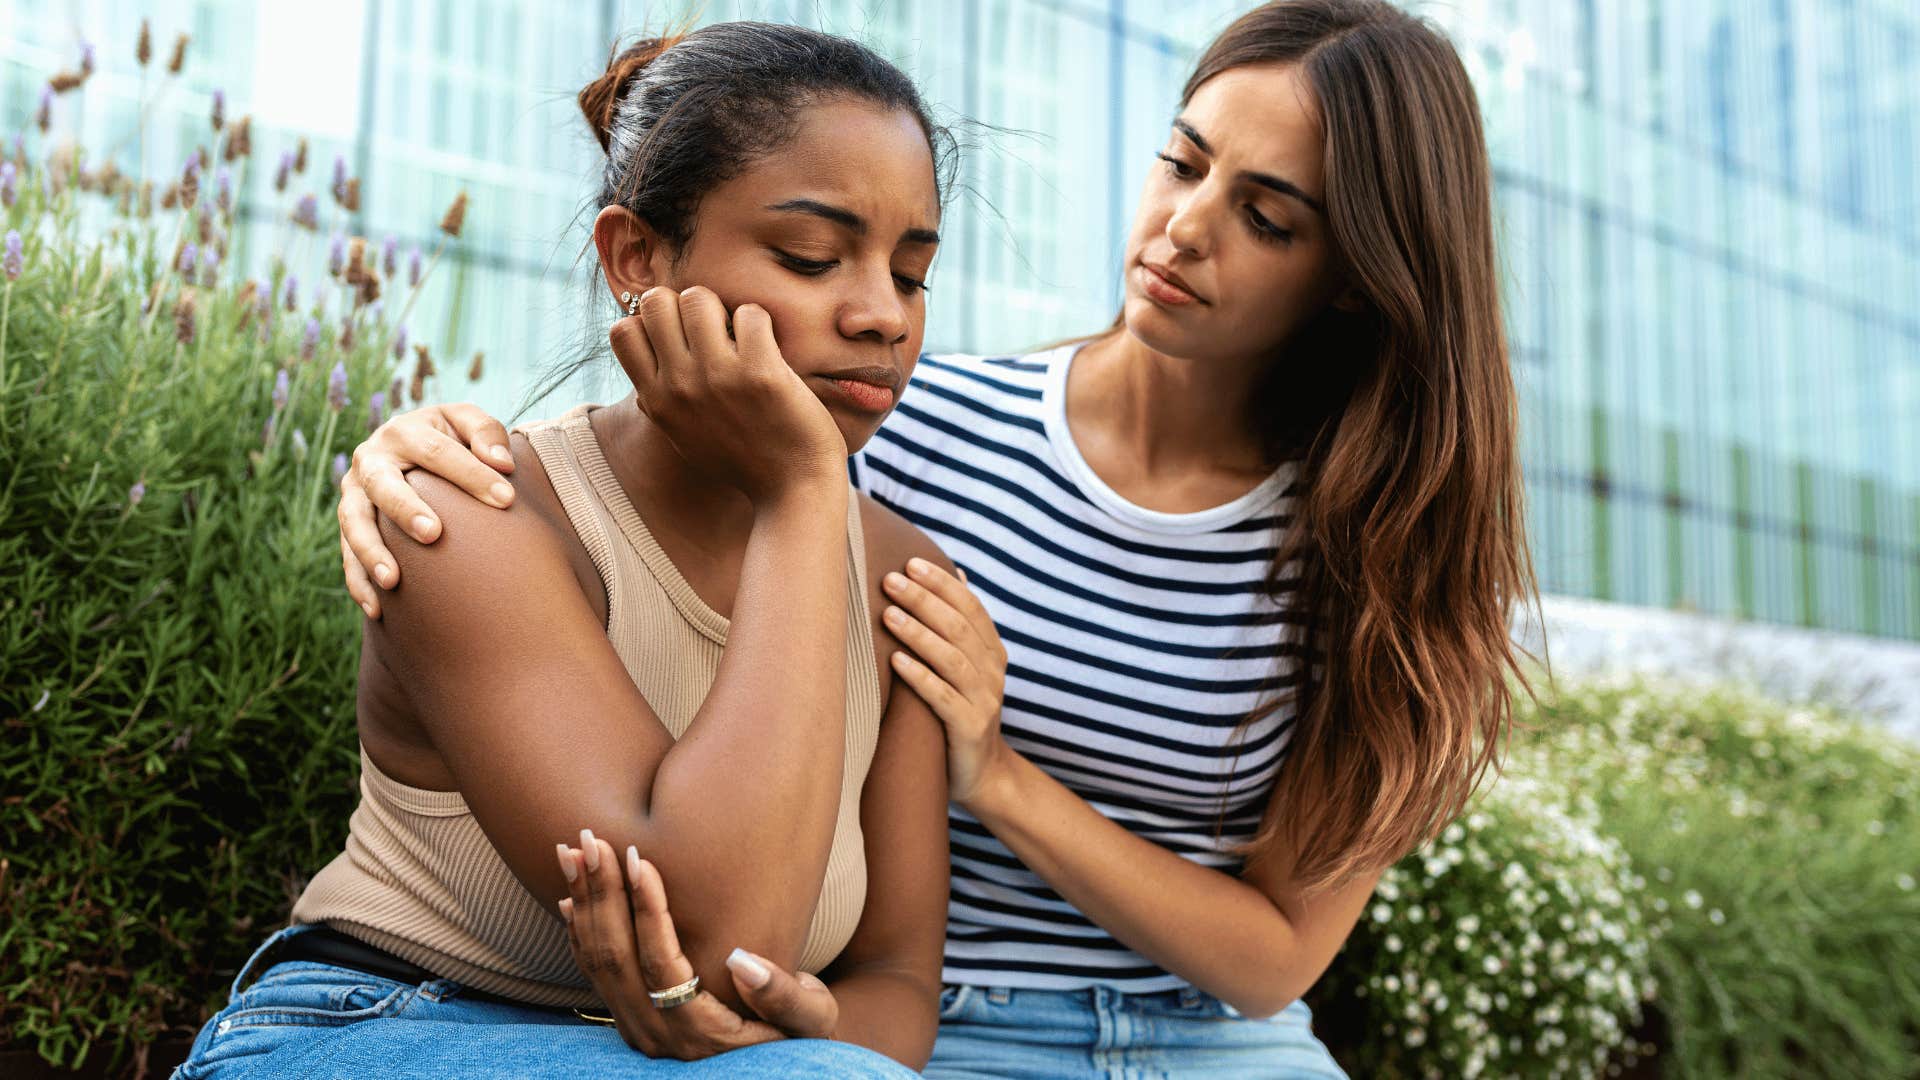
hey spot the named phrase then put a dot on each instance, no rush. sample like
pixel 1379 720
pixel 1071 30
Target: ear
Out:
pixel 633 257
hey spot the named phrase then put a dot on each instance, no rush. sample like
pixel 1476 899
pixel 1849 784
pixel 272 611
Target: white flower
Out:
pixel 1905 881
pixel 1716 917
pixel 1692 899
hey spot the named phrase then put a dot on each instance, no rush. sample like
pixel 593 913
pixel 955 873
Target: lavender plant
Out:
pixel 177 658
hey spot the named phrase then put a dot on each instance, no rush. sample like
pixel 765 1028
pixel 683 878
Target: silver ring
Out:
pixel 676 995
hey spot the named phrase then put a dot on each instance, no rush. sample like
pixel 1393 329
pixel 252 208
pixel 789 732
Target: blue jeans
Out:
pixel 990 1033
pixel 318 1020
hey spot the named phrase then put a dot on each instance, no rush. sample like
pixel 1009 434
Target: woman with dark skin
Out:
pixel 1310 347
pixel 491 688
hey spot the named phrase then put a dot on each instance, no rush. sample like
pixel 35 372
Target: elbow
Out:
pixel 1265 1002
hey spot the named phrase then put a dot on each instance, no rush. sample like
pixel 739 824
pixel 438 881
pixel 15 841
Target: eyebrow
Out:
pixel 1265 180
pixel 849 220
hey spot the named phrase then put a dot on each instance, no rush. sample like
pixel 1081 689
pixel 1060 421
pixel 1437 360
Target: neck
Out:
pixel 1173 416
pixel 670 492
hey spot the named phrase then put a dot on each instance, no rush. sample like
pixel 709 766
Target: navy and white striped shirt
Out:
pixel 1137 642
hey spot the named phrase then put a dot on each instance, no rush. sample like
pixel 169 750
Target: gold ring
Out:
pixel 676 995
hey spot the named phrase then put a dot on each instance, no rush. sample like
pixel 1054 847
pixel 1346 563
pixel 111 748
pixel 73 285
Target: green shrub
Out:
pixel 1782 847
pixel 1513 945
pixel 177 657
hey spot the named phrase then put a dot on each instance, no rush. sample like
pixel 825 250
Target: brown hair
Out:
pixel 1408 549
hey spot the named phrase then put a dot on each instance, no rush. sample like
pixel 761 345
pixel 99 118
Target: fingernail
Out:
pixel 566 909
pixel 566 864
pixel 368 609
pixel 383 574
pixel 502 455
pixel 633 865
pixel 919 566
pixel 502 493
pixel 422 528
pixel 590 850
pixel 893 615
pixel 895 580
pixel 749 968
pixel 901 659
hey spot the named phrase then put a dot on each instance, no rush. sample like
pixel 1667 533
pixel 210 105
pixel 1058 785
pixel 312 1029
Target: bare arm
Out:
pixel 1257 941
pixel 1253 941
pixel 544 732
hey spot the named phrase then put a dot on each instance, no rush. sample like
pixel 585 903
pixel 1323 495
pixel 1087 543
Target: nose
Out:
pixel 1186 226
pixel 875 310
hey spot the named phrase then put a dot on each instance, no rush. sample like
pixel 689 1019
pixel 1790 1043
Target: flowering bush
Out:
pixel 176 656
pixel 1781 847
pixel 1513 945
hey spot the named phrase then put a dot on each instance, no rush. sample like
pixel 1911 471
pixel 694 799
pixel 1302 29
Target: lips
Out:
pixel 870 389
pixel 1168 287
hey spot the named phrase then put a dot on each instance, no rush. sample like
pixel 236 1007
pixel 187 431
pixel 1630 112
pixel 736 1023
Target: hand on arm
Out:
pixel 1255 941
pixel 459 443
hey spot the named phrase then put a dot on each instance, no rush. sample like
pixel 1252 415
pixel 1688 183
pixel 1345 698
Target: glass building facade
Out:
pixel 1710 219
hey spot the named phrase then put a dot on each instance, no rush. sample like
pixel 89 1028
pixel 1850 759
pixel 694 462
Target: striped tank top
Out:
pixel 1138 642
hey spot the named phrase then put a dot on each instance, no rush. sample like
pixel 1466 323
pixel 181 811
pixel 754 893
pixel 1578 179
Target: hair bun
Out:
pixel 600 100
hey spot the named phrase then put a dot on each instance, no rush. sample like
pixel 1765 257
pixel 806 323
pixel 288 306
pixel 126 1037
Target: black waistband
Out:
pixel 324 945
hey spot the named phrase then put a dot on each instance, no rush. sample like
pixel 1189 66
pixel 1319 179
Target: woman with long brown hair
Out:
pixel 1231 630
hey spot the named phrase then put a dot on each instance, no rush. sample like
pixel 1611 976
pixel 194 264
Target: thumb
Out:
pixel 801 1006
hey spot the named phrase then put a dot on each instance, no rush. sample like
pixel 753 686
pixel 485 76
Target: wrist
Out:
pixel 999 779
pixel 810 494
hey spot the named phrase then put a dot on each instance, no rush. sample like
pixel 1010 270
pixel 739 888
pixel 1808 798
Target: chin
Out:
pixel 1156 329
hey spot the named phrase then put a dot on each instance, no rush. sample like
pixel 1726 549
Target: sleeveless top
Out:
pixel 419 878
pixel 1137 644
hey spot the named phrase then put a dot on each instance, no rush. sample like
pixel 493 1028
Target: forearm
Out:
pixel 1214 930
pixel 742 808
pixel 894 1012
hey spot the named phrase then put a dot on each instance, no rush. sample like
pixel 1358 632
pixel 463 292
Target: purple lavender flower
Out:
pixel 310 341
pixel 280 390
pixel 389 256
pixel 339 468
pixel 10 183
pixel 209 267
pixel 137 492
pixel 400 343
pixel 219 109
pixel 413 267
pixel 307 213
pixel 192 171
pixel 43 117
pixel 376 410
pixel 223 190
pixel 283 171
pixel 291 293
pixel 263 307
pixel 15 260
pixel 300 446
pixel 189 258
pixel 267 429
pixel 86 58
pixel 340 177
pixel 337 255
pixel 396 392
pixel 337 387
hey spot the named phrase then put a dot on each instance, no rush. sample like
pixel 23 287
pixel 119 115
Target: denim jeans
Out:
pixel 304 1019
pixel 1005 1034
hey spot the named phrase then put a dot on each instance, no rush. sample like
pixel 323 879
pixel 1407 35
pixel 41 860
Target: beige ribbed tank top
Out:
pixel 419 878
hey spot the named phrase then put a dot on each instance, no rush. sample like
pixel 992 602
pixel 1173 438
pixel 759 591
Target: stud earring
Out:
pixel 632 302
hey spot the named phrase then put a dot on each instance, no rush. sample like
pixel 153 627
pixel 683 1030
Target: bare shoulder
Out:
pixel 892 540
